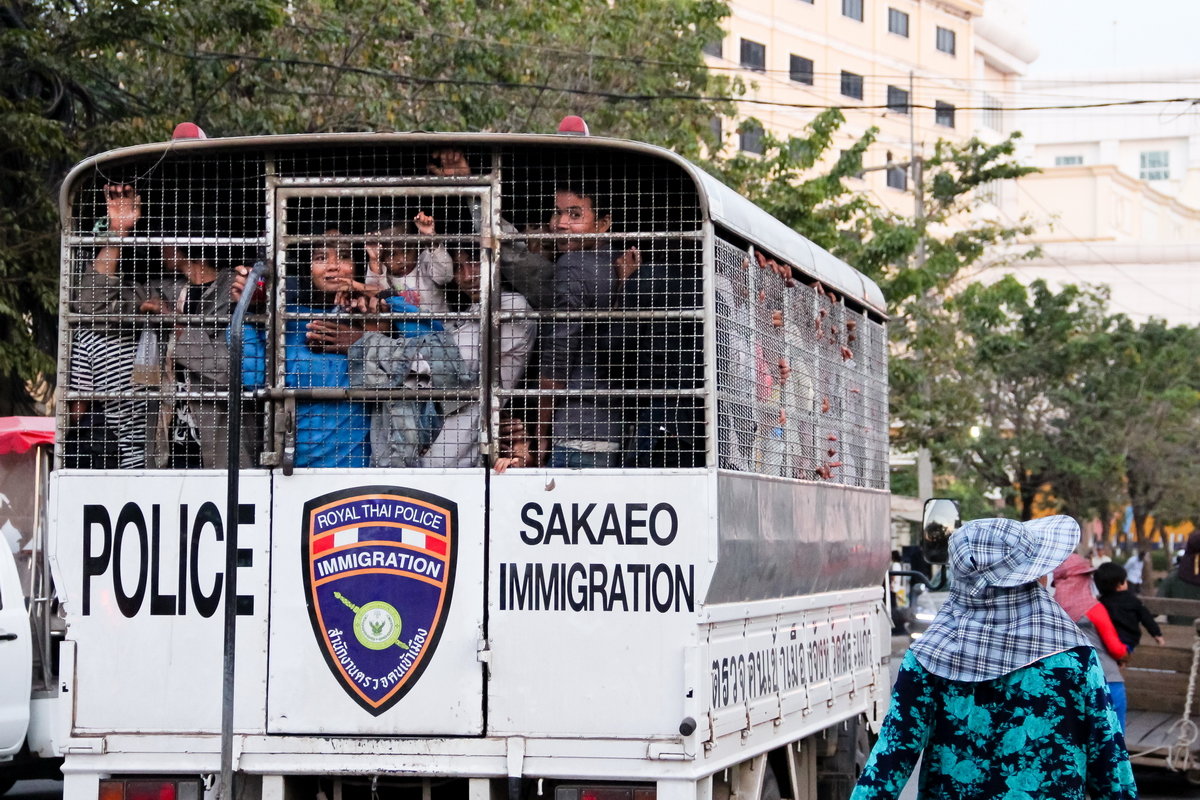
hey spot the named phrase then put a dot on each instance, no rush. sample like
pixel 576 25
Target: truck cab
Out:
pixel 29 626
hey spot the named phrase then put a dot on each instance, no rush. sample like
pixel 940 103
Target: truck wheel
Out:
pixel 837 774
pixel 770 787
pixel 769 791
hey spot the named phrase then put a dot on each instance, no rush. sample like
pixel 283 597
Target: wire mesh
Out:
pixel 801 376
pixel 444 307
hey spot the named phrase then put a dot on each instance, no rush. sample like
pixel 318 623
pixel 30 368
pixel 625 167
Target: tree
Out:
pixel 259 66
pixel 1137 413
pixel 1017 351
pixel 877 242
pixel 43 104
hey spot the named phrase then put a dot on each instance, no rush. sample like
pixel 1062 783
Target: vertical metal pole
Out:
pixel 39 580
pixel 233 466
pixel 924 460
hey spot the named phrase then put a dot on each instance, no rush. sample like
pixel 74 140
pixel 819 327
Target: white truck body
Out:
pixel 610 671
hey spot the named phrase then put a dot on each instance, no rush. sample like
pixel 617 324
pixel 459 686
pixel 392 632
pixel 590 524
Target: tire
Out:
pixel 770 786
pixel 769 791
pixel 837 774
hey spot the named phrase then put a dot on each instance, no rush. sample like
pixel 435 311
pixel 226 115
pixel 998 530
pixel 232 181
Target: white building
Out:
pixel 1118 200
pixel 914 69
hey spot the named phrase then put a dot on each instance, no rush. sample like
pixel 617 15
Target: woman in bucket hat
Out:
pixel 1003 695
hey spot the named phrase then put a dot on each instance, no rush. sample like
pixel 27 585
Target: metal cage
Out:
pixel 457 302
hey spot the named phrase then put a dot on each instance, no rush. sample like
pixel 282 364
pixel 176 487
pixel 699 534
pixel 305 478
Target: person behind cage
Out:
pixel 175 356
pixel 581 429
pixel 1003 696
pixel 193 432
pixel 1128 613
pixel 1073 591
pixel 418 274
pixel 526 269
pixel 457 444
pixel 661 353
pixel 108 432
pixel 1184 581
pixel 735 369
pixel 325 323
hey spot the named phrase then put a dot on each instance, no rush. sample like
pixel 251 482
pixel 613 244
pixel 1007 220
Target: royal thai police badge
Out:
pixel 378 574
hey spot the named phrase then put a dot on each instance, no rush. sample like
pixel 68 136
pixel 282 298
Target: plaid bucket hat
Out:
pixel 998 618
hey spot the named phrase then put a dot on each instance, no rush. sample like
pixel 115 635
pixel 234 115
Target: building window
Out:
pixel 1068 161
pixel 1155 165
pixel 897 100
pixel 897 178
pixel 993 112
pixel 898 22
pixel 714 125
pixel 943 114
pixel 750 138
pixel 946 40
pixel 801 69
pixel 852 85
pixel 715 48
pixel 754 55
pixel 853 9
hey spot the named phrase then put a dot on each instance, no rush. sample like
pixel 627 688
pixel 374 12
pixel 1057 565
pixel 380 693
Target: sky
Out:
pixel 1087 35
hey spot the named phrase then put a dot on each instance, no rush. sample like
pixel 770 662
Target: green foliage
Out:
pixel 972 498
pixel 315 65
pixel 1136 415
pixel 1017 351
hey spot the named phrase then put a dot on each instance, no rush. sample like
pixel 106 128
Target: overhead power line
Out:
pixel 642 97
pixel 733 66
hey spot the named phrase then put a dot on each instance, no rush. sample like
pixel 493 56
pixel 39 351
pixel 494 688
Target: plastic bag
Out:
pixel 147 367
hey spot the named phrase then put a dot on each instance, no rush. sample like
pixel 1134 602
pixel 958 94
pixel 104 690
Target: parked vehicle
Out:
pixel 29 625
pixel 702 616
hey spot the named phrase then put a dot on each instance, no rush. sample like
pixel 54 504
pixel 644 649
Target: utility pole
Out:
pixel 916 168
pixel 924 460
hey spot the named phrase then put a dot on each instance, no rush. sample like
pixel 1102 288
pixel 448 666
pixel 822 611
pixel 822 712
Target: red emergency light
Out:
pixel 188 130
pixel 574 125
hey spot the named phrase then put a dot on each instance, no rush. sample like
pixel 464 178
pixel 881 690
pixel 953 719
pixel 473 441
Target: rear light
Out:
pixel 573 791
pixel 150 789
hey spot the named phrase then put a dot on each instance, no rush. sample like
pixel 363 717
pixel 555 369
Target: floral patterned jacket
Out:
pixel 1046 730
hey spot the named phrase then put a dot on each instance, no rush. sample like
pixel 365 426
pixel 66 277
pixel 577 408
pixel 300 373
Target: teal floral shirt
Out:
pixel 1046 731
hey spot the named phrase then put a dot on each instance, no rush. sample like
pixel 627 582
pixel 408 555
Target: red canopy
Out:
pixel 18 434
